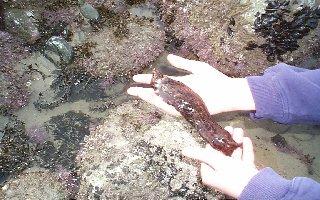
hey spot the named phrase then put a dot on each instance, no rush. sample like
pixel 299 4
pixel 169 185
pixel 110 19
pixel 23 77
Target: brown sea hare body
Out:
pixel 193 109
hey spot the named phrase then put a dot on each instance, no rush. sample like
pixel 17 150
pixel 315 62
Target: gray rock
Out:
pixel 23 23
pixel 89 12
pixel 58 51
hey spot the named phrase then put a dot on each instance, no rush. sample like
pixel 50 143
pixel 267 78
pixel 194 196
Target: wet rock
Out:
pixel 12 49
pixel 68 131
pixel 215 39
pixel 34 185
pixel 22 23
pixel 14 148
pixel 136 154
pixel 123 47
pixel 14 92
pixel 58 51
pixel 282 32
pixel 89 12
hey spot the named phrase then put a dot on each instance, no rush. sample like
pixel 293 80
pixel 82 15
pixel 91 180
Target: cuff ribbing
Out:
pixel 269 102
pixel 266 185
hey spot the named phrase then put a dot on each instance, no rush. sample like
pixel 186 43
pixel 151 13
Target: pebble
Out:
pixel 58 51
pixel 22 23
pixel 89 12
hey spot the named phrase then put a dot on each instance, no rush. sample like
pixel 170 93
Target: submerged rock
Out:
pixel 34 185
pixel 67 131
pixel 89 12
pixel 58 51
pixel 23 23
pixel 136 154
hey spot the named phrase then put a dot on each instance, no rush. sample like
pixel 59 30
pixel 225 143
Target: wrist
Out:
pixel 243 99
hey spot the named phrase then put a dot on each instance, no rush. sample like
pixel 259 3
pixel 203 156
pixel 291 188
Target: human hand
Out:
pixel 219 92
pixel 230 175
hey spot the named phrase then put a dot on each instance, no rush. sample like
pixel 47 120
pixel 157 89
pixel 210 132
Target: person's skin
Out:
pixel 230 175
pixel 220 94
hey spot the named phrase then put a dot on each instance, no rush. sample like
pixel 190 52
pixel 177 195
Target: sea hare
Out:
pixel 193 109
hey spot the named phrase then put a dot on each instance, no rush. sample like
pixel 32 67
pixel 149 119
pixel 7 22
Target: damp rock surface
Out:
pixel 223 36
pixel 68 131
pixel 34 185
pixel 123 49
pixel 122 159
pixel 15 152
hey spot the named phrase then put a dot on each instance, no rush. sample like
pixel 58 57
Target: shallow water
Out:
pixel 79 131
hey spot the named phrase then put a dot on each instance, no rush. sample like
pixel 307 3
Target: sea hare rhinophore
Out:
pixel 193 109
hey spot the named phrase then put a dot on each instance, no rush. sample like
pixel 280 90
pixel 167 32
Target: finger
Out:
pixel 189 65
pixel 229 129
pixel 211 156
pixel 237 154
pixel 238 135
pixel 207 174
pixel 142 78
pixel 248 154
pixel 148 95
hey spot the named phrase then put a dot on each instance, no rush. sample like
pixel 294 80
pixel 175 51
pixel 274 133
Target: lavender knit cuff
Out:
pixel 266 185
pixel 269 101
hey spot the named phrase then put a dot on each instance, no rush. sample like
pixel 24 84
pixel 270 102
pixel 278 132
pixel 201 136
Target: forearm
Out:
pixel 269 185
pixel 243 99
pixel 287 94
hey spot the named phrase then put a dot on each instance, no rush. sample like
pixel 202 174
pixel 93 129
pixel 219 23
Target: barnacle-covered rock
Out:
pixel 14 148
pixel 219 38
pixel 124 47
pixel 34 185
pixel 28 3
pixel 22 23
pixel 222 37
pixel 14 92
pixel 61 16
pixel 12 49
pixel 68 131
pixel 114 5
pixel 136 154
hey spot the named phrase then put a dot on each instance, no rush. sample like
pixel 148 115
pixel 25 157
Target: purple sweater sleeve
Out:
pixel 267 185
pixel 287 94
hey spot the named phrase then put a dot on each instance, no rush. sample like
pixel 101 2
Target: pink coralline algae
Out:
pixel 12 49
pixel 68 179
pixel 13 89
pixel 219 38
pixel 124 50
pixel 63 15
pixel 37 134
pixel 114 5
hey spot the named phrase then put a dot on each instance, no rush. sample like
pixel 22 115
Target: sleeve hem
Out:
pixel 266 185
pixel 269 101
